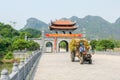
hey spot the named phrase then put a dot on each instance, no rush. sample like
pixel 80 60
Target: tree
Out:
pixel 7 31
pixel 22 35
pixel 104 45
pixel 9 55
pixel 20 44
pixel 33 45
pixel 4 46
pixel 63 44
pixel 49 44
pixel 93 44
pixel 34 33
pixel 117 43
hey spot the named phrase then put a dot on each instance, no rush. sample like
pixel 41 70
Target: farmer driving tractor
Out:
pixel 82 48
pixel 79 48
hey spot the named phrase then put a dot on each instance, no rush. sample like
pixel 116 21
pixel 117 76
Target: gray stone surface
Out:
pixel 59 67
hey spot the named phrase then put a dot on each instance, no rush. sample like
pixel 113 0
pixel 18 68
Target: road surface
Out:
pixel 59 67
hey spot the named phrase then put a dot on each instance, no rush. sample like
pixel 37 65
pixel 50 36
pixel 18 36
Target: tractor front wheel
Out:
pixel 90 61
pixel 72 56
pixel 81 60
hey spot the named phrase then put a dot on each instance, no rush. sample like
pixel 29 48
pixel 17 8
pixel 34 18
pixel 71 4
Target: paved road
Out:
pixel 59 67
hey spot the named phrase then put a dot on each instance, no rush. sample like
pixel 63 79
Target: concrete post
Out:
pixel 21 63
pixel 26 60
pixel 15 67
pixel 4 75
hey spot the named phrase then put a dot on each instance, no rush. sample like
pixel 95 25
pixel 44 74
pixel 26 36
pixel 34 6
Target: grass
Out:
pixel 7 66
pixel 29 52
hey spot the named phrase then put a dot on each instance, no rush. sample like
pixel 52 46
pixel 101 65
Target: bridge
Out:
pixel 51 66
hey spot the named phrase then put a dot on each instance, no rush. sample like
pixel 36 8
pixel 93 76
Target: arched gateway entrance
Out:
pixel 58 40
pixel 63 46
pixel 49 47
pixel 62 34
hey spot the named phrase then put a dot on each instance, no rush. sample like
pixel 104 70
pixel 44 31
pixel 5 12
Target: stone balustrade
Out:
pixel 108 52
pixel 21 70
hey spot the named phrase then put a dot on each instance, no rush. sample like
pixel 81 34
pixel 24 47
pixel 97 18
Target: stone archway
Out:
pixel 49 47
pixel 63 46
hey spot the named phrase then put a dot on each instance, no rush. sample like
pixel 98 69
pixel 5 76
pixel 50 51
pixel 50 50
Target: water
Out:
pixel 7 66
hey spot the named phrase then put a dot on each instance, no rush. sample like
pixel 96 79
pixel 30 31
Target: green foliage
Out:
pixel 117 43
pixel 23 33
pixel 33 45
pixel 5 43
pixel 11 39
pixel 104 45
pixel 8 66
pixel 7 31
pixel 29 52
pixel 34 33
pixel 99 48
pixel 20 44
pixel 9 55
pixel 49 44
pixel 93 44
pixel 63 44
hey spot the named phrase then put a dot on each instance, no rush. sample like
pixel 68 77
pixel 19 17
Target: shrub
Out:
pixel 9 55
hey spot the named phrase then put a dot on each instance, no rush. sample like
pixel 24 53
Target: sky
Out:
pixel 46 10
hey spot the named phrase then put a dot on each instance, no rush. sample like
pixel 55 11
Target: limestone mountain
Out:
pixel 96 27
pixel 35 24
pixel 117 21
pixel 116 28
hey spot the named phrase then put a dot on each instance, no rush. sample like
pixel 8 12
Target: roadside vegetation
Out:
pixel 11 39
pixel 104 45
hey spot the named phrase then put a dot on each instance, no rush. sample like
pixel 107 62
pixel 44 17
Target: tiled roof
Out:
pixel 62 28
pixel 63 22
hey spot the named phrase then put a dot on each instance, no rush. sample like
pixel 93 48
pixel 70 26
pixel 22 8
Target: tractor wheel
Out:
pixel 81 60
pixel 72 57
pixel 90 61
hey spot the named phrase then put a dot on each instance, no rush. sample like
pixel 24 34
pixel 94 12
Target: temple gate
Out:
pixel 62 31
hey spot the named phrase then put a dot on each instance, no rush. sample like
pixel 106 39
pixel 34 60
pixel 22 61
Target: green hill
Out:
pixel 96 27
pixel 35 24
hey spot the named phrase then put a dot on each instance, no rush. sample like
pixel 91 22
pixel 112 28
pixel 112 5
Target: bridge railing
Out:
pixel 21 70
pixel 107 52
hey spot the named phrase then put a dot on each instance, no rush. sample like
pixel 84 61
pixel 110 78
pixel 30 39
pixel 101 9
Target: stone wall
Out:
pixel 21 71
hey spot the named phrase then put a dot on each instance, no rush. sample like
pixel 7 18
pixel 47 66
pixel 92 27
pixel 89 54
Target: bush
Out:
pixel 9 55
pixel 33 45
pixel 104 45
pixel 99 48
pixel 20 44
pixel 93 44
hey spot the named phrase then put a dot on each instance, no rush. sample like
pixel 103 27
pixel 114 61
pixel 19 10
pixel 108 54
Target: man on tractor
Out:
pixel 81 49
